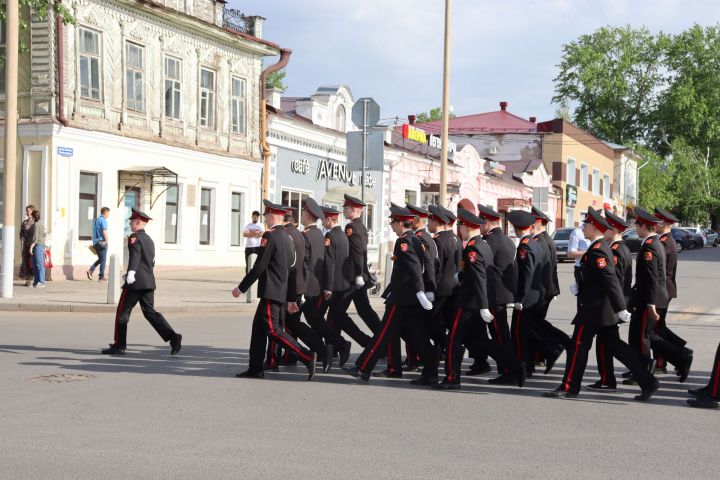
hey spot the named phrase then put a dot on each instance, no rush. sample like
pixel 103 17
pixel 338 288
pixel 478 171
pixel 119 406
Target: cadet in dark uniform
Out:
pixel 709 395
pixel 338 281
pixel 315 306
pixel 650 294
pixel 272 270
pixel 403 297
pixel 622 261
pixel 357 235
pixel 472 302
pixel 602 305
pixel 140 287
pixel 667 240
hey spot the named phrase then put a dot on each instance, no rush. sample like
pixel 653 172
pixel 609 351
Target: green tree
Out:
pixel 655 180
pixel 431 116
pixel 42 8
pixel 614 76
pixel 695 182
pixel 275 80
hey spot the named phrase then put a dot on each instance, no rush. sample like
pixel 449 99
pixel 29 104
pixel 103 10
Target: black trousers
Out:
pixel 525 338
pixel 298 329
pixel 314 309
pixel 549 334
pixel 643 337
pixel 359 297
pixel 664 331
pixel 128 300
pixel 464 323
pixel 500 332
pixel 609 336
pixel 267 324
pixel 714 384
pixel 341 321
pixel 413 331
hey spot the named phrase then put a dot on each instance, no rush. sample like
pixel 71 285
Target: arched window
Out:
pixel 340 118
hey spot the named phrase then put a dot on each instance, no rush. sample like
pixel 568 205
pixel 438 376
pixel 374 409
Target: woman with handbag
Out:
pixel 26 236
pixel 38 249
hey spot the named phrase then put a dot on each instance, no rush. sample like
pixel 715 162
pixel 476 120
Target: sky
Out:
pixel 501 50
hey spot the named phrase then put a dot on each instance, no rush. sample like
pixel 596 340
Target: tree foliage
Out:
pixel 276 80
pixel 431 116
pixel 41 8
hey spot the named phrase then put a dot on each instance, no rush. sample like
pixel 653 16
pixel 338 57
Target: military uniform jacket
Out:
pixel 472 292
pixel 670 245
pixel 357 235
pixel 272 267
pixel 314 260
pixel 502 277
pixel 447 263
pixel 141 260
pixel 338 275
pixel 649 288
pixel 530 258
pixel 296 284
pixel 429 259
pixel 622 258
pixel 550 268
pixel 406 279
pixel 601 296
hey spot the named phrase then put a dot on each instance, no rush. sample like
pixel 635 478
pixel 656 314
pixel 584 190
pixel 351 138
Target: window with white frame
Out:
pixel 134 72
pixel 90 62
pixel 236 220
pixel 206 195
pixel 172 217
pixel 540 198
pixel 606 186
pixel 87 204
pixel 370 208
pixel 295 200
pixel 173 72
pixel 570 171
pixel 237 101
pixel 410 197
pixel 340 118
pixel 584 177
pixel 207 98
pixel 596 181
pixel 570 217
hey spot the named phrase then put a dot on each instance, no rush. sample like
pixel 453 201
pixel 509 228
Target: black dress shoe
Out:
pixel 250 374
pixel 648 392
pixel 520 376
pixel 627 375
pixel 445 385
pixel 175 344
pixel 328 358
pixel 478 368
pixel 550 361
pixel 601 387
pixel 629 381
pixel 559 393
pixel 503 380
pixel 410 367
pixel 311 366
pixel 703 402
pixel 699 392
pixel 425 381
pixel 684 370
pixel 388 374
pixel 345 353
pixel 270 368
pixel 113 350
pixel 357 373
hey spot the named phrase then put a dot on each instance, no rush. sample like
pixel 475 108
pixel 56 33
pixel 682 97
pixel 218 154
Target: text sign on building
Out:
pixel 65 151
pixel 571 195
pixel 413 133
pixel 341 173
pixel 301 165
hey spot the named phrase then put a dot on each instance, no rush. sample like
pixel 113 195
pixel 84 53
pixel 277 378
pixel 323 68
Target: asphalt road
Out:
pixel 151 415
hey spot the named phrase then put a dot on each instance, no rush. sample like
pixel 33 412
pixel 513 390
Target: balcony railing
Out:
pixel 238 22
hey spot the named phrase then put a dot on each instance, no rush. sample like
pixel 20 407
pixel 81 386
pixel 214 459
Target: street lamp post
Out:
pixel 445 108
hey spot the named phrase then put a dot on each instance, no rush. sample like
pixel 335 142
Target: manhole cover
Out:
pixel 62 378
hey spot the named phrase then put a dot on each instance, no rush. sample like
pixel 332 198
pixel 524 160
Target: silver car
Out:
pixel 712 236
pixel 561 236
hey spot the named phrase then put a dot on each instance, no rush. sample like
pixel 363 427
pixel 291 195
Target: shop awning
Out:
pixel 160 179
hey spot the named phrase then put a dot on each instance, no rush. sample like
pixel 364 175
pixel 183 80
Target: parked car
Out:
pixel 712 236
pixel 683 239
pixel 631 239
pixel 561 237
pixel 697 235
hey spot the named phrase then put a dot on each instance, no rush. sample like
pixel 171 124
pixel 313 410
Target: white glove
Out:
pixel 456 278
pixel 130 279
pixel 424 302
pixel 624 315
pixel 518 306
pixel 359 282
pixel 430 296
pixel 574 289
pixel 510 305
pixel 486 315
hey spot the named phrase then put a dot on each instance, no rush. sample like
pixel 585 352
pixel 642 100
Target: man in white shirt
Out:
pixel 253 232
pixel 577 246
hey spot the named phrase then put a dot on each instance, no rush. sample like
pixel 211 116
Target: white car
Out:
pixel 712 236
pixel 697 231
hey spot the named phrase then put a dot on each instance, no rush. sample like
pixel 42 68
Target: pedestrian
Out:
pixel 252 233
pixel 37 247
pixel 577 246
pixel 272 272
pixel 602 306
pixel 140 287
pixel 100 243
pixel 26 236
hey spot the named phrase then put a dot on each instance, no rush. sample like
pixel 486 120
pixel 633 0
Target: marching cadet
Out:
pixel 403 296
pixel 140 287
pixel 622 261
pixel 272 270
pixel 667 240
pixel 709 395
pixel 650 294
pixel 314 306
pixel 602 304
pixel 338 281
pixel 501 279
pixel 472 302
pixel 357 235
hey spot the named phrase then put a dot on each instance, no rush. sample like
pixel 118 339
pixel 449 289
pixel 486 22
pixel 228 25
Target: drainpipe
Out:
pixel 281 63
pixel 61 71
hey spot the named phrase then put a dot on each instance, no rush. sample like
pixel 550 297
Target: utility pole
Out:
pixel 445 109
pixel 364 156
pixel 11 79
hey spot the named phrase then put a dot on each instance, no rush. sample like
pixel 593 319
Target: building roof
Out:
pixel 500 121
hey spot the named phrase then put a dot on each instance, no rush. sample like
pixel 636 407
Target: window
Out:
pixel 236 223
pixel 205 214
pixel 238 105
pixel 295 200
pixel 584 177
pixel 540 198
pixel 207 98
pixel 410 197
pixel 340 117
pixel 90 85
pixel 2 55
pixel 596 181
pixel 570 171
pixel 371 223
pixel 569 217
pixel 171 214
pixel 172 87
pixel 606 186
pixel 134 68
pixel 87 205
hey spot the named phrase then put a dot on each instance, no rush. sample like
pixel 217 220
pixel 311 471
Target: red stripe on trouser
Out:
pixel 320 299
pixel 574 359
pixel 450 345
pixel 282 339
pixel 380 337
pixel 643 321
pixel 603 368
pixel 518 343
pixel 717 376
pixel 659 358
pixel 117 314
